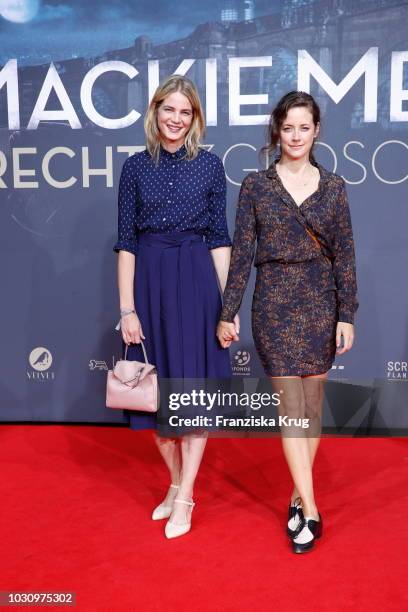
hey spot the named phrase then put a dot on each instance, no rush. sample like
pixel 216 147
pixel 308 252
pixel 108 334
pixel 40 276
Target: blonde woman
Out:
pixel 173 247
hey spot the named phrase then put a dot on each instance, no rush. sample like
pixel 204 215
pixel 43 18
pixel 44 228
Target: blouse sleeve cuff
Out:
pixel 215 243
pixel 346 315
pixel 125 245
pixel 227 315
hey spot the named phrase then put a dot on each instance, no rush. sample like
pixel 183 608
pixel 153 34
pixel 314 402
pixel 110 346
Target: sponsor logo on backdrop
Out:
pixel 97 364
pixel 397 370
pixel 40 360
pixel 337 367
pixel 240 363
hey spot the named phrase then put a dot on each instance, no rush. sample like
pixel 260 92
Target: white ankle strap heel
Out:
pixel 183 501
pixel 174 530
pixel 163 511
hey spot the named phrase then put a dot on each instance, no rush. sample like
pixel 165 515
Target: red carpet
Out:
pixel 76 517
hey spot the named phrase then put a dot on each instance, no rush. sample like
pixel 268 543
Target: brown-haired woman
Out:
pixel 305 293
pixel 172 224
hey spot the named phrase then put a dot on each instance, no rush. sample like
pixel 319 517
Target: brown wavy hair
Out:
pixel 278 115
pixel 193 138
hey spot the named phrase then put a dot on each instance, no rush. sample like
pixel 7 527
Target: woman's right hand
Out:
pixel 131 328
pixel 227 333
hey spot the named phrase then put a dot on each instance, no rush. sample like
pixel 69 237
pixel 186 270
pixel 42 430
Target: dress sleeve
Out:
pixel 127 230
pixel 216 234
pixel 243 249
pixel 344 267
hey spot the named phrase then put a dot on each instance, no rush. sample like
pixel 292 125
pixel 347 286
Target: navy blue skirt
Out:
pixel 178 302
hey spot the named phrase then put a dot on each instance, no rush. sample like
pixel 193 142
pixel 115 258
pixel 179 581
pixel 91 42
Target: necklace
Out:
pixel 301 183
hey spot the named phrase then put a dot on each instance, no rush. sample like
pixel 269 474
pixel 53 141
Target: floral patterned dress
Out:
pixel 306 279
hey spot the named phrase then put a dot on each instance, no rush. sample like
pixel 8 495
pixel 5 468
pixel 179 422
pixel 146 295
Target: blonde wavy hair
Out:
pixel 174 83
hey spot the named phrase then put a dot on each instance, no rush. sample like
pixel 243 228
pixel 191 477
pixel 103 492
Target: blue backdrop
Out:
pixel 75 81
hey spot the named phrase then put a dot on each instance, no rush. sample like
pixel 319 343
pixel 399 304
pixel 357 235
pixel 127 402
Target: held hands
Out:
pixel 228 332
pixel 131 329
pixel 344 331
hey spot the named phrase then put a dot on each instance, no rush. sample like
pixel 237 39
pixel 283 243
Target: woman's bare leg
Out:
pixel 170 451
pixel 295 441
pixel 192 450
pixel 313 388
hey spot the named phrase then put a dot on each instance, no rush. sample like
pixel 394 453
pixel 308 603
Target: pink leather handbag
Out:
pixel 132 385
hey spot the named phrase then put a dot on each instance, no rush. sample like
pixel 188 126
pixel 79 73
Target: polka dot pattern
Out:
pixel 174 196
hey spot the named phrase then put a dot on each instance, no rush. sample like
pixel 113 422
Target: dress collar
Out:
pixel 272 174
pixel 180 153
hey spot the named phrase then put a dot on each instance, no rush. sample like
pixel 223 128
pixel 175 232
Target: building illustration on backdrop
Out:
pixel 335 32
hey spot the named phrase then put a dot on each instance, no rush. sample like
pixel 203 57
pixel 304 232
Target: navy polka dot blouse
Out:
pixel 174 196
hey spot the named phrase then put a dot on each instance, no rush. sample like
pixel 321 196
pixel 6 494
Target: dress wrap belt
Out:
pixel 184 242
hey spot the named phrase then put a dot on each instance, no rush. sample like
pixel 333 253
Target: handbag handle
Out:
pixel 143 349
pixel 141 342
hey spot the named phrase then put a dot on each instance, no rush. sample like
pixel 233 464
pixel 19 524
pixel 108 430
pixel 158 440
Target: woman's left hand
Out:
pixel 345 330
